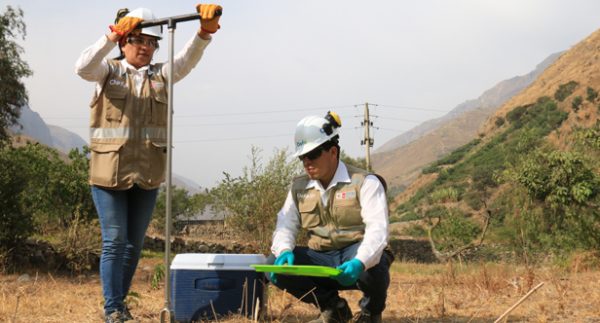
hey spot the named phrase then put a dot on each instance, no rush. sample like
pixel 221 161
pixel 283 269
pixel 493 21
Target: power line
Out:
pixel 267 111
pixel 389 129
pixel 399 119
pixel 410 108
pixel 230 139
pixel 264 112
pixel 234 123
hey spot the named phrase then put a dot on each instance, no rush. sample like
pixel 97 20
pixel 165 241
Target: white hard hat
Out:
pixel 146 14
pixel 313 131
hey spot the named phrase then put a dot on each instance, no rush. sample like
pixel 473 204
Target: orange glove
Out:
pixel 125 25
pixel 209 17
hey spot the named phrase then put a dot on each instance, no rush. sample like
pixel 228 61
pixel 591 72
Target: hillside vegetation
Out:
pixel 529 185
pixel 401 159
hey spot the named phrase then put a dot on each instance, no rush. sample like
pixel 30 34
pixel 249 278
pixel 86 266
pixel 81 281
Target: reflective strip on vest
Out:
pixel 124 133
pixel 110 133
pixel 154 133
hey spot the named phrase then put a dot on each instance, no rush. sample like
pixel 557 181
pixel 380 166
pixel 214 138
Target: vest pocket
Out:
pixel 347 214
pixel 309 213
pixel 115 105
pixel 104 164
pixel 159 109
pixel 157 162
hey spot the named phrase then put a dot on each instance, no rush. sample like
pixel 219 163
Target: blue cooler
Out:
pixel 206 284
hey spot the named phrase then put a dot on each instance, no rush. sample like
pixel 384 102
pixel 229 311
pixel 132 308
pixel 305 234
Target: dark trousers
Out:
pixel 373 283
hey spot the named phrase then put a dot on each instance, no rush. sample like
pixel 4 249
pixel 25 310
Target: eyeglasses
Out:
pixel 313 154
pixel 139 41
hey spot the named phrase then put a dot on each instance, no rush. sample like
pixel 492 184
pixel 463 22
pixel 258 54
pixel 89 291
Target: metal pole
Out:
pixel 167 309
pixel 171 23
pixel 367 137
pixel 168 20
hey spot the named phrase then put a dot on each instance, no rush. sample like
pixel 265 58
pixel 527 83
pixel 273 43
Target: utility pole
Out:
pixel 368 141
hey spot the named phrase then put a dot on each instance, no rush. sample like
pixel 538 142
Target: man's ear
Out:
pixel 337 152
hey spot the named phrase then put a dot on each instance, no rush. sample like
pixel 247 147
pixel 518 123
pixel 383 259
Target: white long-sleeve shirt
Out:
pixel 92 63
pixel 374 213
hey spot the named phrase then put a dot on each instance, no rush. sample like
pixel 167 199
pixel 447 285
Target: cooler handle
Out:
pixel 216 264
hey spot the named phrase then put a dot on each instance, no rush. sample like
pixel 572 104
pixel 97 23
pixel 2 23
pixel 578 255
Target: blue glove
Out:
pixel 351 270
pixel 286 257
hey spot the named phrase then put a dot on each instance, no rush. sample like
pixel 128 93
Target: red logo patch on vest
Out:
pixel 345 195
pixel 157 85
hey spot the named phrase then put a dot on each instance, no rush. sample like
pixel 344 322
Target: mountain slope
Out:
pixel 401 159
pixel 579 64
pixel 65 140
pixel 493 97
pixel 532 177
pixel 33 126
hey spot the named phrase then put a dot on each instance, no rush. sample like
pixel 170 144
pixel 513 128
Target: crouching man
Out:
pixel 344 211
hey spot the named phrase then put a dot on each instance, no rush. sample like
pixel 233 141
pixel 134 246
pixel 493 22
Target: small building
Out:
pixel 207 217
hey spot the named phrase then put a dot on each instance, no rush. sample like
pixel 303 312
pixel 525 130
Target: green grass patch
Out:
pixel 151 254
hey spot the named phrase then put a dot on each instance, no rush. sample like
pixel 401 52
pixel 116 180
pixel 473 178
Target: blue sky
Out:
pixel 274 62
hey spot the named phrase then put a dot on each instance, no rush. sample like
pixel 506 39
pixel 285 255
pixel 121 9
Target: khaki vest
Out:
pixel 128 132
pixel 338 225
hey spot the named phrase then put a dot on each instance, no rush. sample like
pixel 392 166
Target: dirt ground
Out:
pixel 418 293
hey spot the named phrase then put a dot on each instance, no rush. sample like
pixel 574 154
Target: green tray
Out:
pixel 299 270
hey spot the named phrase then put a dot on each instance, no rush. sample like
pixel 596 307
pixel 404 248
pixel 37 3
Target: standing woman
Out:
pixel 128 138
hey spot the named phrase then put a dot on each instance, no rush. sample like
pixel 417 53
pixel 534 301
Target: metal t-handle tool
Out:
pixel 171 23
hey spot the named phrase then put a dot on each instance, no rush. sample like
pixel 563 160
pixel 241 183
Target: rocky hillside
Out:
pixel 401 159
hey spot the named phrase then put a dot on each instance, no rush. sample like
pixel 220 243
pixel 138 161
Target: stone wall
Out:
pixel 403 249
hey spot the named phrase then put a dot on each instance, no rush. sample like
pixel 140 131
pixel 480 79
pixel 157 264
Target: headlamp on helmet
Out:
pixel 313 131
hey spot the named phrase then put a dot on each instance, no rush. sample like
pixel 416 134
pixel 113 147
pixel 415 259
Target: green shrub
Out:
pixel 414 230
pixel 444 195
pixel 458 154
pixel 564 90
pixel 252 200
pixel 430 169
pixel 43 192
pixel 455 230
pixel 591 94
pixel 474 200
pixel 16 220
pixel 516 113
pixel 558 178
pixel 576 104
pixel 588 138
pixel 499 122
pixel 436 212
pixel 409 216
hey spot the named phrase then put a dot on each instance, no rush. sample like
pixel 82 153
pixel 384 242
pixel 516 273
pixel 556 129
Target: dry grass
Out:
pixel 418 293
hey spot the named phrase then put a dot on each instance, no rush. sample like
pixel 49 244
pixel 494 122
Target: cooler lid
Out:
pixel 212 261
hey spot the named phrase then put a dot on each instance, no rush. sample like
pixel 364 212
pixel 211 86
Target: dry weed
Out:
pixel 418 293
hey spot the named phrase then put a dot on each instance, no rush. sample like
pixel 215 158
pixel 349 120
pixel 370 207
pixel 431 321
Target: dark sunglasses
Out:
pixel 313 154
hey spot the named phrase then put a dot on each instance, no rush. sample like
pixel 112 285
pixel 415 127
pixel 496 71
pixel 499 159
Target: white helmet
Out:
pixel 313 131
pixel 146 14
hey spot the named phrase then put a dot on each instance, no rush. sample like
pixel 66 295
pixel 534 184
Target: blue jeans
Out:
pixel 124 217
pixel 374 282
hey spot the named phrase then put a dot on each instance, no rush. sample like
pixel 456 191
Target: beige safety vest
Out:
pixel 128 132
pixel 339 224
